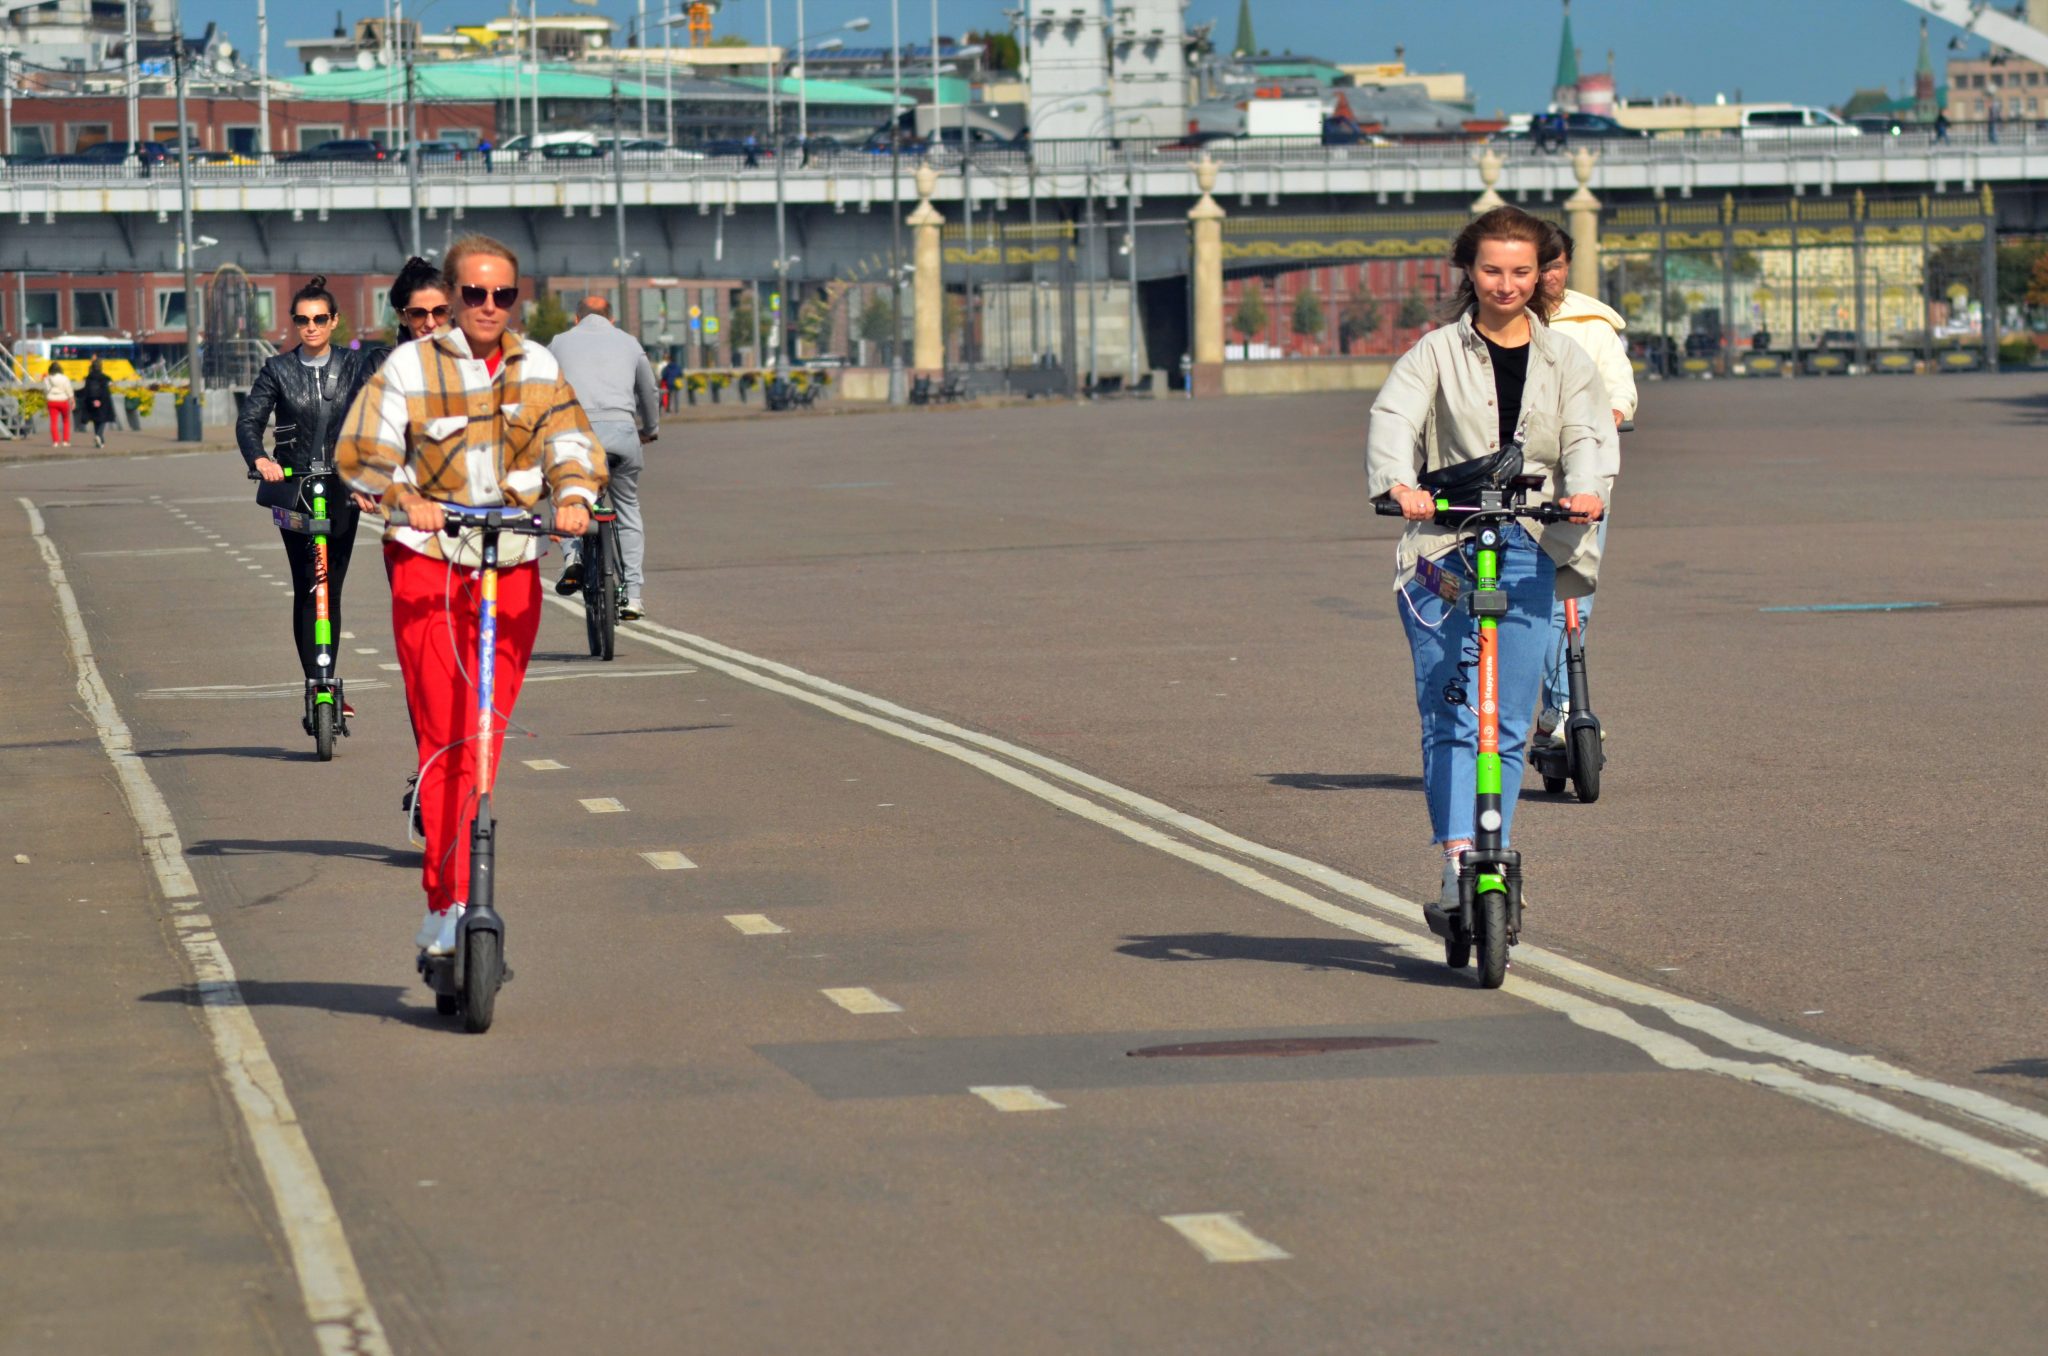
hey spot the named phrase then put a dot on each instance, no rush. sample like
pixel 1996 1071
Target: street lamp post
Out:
pixel 193 384
pixel 897 393
pixel 781 198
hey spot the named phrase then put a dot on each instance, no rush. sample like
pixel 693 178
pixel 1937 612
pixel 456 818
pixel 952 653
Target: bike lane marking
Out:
pixel 862 1002
pixel 344 1321
pixel 668 861
pixel 754 925
pixel 1018 1098
pixel 1387 924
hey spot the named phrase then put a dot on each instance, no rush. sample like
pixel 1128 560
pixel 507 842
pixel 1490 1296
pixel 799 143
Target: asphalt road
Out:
pixel 1016 752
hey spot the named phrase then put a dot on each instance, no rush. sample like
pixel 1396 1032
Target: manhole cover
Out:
pixel 1284 1047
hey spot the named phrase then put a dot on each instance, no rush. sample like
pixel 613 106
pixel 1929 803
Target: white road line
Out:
pixel 754 924
pixel 863 1001
pixel 1390 923
pixel 391 668
pixel 603 805
pixel 365 649
pixel 348 635
pixel 1221 1238
pixel 537 764
pixel 1017 1099
pixel 668 861
pixel 151 551
pixel 344 1321
pixel 579 674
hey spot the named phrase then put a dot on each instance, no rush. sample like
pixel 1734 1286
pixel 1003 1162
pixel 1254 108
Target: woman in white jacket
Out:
pixel 1495 376
pixel 1596 328
pixel 59 396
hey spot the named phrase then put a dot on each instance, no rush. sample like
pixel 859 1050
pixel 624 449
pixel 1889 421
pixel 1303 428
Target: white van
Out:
pixel 1781 122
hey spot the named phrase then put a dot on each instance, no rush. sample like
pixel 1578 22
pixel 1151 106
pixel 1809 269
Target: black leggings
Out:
pixel 298 549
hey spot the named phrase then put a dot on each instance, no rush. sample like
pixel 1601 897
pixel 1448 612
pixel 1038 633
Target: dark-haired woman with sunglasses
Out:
pixel 309 389
pixel 420 296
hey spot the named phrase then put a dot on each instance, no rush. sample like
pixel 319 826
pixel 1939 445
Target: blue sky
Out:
pixel 1804 51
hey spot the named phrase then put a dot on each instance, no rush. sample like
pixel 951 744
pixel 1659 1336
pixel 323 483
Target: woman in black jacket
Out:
pixel 310 390
pixel 96 402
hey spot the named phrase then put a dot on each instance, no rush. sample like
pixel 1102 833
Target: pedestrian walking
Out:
pixel 96 402
pixel 753 150
pixel 58 395
pixel 1941 126
pixel 484 148
pixel 671 382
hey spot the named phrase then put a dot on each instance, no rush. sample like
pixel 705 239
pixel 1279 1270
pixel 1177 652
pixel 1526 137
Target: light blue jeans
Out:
pixel 1444 643
pixel 1557 692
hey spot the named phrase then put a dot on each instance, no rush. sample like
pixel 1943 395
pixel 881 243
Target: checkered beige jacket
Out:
pixel 434 419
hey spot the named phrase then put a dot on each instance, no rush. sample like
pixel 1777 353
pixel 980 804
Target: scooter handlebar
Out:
pixel 535 522
pixel 1542 513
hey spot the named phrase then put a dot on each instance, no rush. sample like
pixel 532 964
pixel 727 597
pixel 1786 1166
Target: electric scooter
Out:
pixel 1581 750
pixel 1489 913
pixel 305 512
pixel 467 982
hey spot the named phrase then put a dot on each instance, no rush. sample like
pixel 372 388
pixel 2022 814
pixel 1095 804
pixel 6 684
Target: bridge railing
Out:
pixel 1097 155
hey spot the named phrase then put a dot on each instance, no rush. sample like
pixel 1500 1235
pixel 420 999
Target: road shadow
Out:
pixel 1346 781
pixel 381 1001
pixel 305 847
pixel 2035 404
pixel 648 730
pixel 1307 953
pixel 2020 1068
pixel 275 755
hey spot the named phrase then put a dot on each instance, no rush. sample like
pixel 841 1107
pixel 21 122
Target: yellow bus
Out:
pixel 75 353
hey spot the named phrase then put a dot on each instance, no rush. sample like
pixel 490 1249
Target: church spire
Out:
pixel 1247 42
pixel 1566 94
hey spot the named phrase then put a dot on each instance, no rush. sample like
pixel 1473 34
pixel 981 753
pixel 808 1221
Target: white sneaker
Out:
pixel 436 936
pixel 632 610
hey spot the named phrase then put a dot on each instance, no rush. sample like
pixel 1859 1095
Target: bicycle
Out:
pixel 1489 916
pixel 305 512
pixel 467 981
pixel 604 579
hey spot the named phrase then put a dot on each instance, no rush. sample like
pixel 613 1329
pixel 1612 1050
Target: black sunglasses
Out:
pixel 421 313
pixel 501 297
pixel 302 321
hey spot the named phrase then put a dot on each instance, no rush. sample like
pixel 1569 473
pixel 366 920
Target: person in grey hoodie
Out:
pixel 614 383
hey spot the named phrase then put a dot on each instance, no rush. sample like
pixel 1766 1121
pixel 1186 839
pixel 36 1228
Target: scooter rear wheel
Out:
pixel 447 1004
pixel 483 971
pixel 1490 924
pixel 1458 947
pixel 1586 759
pixel 323 731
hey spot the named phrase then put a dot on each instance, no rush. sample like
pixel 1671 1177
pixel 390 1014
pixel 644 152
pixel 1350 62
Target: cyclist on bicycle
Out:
pixel 470 415
pixel 1495 377
pixel 309 390
pixel 422 299
pixel 613 380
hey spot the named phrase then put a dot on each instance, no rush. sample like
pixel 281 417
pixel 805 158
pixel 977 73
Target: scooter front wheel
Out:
pixel 483 970
pixel 1490 926
pixel 323 731
pixel 1587 755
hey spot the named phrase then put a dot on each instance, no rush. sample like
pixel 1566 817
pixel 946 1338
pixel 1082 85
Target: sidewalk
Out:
pixel 120 443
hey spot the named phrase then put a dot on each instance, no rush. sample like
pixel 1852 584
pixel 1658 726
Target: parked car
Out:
pixel 1542 128
pixel 110 153
pixel 908 143
pixel 224 158
pixel 445 151
pixel 348 150
pixel 572 150
pixel 1781 122
pixel 526 145
pixel 650 148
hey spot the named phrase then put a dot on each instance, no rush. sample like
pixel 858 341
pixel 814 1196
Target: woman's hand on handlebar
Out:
pixel 571 520
pixel 1417 506
pixel 367 503
pixel 269 469
pixel 421 514
pixel 1584 508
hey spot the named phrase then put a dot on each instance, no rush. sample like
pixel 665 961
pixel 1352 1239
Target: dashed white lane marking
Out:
pixel 391 668
pixel 537 764
pixel 1221 1238
pixel 348 635
pixel 861 1001
pixel 151 551
pixel 1017 1099
pixel 366 649
pixel 581 674
pixel 1789 1060
pixel 668 861
pixel 754 924
pixel 330 1284
pixel 603 805
pixel 239 691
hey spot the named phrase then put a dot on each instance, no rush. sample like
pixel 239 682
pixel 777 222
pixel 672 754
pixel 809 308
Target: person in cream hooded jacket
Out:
pixel 1596 328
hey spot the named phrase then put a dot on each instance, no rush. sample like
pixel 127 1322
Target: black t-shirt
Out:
pixel 1510 375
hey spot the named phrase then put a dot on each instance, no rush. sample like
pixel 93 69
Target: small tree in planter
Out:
pixel 1414 312
pixel 1250 317
pixel 1307 319
pixel 1359 319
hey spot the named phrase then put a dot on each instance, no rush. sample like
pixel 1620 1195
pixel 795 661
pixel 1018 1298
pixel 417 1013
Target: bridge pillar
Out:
pixel 1205 220
pixel 928 283
pixel 1582 211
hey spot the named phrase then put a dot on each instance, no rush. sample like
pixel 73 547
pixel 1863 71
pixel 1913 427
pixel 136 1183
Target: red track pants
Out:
pixel 60 422
pixel 434 616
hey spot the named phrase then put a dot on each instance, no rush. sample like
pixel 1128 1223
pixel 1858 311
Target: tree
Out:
pixel 1359 319
pixel 1414 312
pixel 877 323
pixel 1308 315
pixel 1250 317
pixel 547 318
pixel 732 40
pixel 999 50
pixel 2037 282
pixel 739 326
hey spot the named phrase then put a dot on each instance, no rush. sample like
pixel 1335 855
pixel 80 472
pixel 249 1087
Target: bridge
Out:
pixel 694 216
